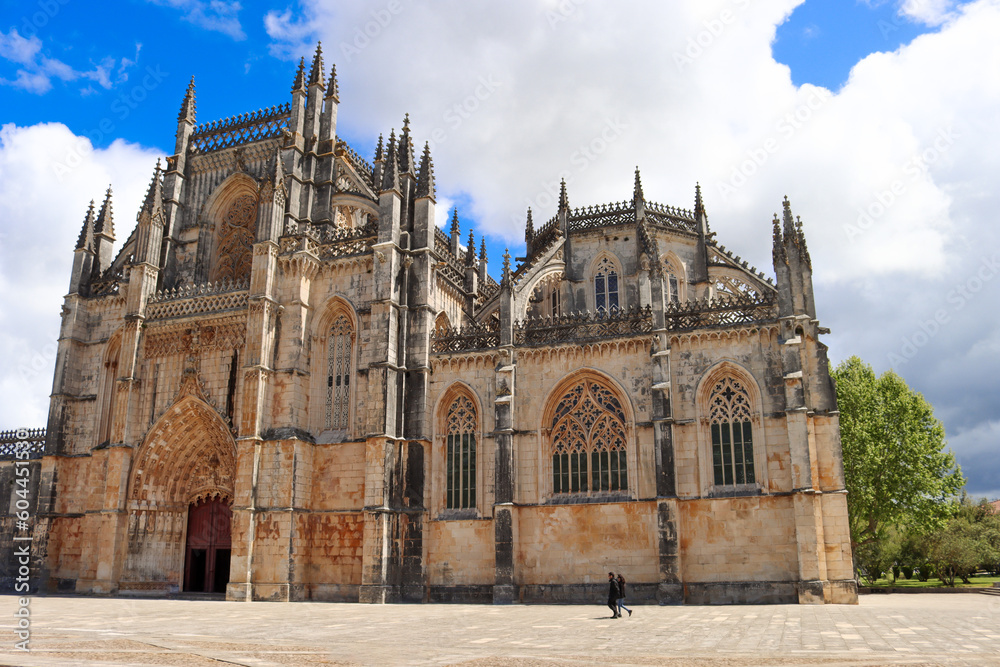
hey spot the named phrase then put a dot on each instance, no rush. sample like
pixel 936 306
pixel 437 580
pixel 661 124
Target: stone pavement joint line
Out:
pixel 882 630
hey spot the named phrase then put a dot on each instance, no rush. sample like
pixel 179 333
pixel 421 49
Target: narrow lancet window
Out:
pixel 461 454
pixel 730 418
pixel 340 352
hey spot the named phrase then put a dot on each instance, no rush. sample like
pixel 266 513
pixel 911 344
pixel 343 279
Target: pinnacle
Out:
pixel 789 224
pixel 637 195
pixel 405 147
pixel 105 223
pixel 470 252
pixel 316 71
pixel 299 85
pixel 455 229
pixel 425 177
pixel 505 280
pixel 86 240
pixel 188 106
pixel 482 249
pixel 154 194
pixel 699 205
pixel 563 198
pixel 332 88
pixel 529 227
pixel 378 148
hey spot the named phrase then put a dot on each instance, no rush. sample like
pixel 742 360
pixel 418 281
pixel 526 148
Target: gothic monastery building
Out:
pixel 287 383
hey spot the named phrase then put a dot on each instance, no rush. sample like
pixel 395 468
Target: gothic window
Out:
pixel 730 418
pixel 441 325
pixel 555 305
pixel 339 353
pixel 461 454
pixel 671 282
pixel 108 401
pixel 236 234
pixel 606 286
pixel 588 441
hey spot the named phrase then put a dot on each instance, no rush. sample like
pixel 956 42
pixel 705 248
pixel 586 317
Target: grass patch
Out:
pixel 979 581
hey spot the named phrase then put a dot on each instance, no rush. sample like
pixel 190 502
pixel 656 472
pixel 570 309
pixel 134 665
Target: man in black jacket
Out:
pixel 614 592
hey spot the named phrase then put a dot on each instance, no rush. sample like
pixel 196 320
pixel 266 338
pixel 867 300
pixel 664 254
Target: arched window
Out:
pixel 339 355
pixel 732 287
pixel 588 441
pixel 461 454
pixel 671 282
pixel 606 286
pixel 236 234
pixel 730 417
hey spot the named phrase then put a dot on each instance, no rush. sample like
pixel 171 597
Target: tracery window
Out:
pixel 588 441
pixel 730 417
pixel 461 454
pixel 236 233
pixel 731 286
pixel 671 283
pixel 606 286
pixel 339 355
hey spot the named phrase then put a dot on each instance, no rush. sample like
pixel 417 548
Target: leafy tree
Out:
pixel 897 470
pixel 875 558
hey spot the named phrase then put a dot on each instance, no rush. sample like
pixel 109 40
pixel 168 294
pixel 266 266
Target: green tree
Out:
pixel 897 470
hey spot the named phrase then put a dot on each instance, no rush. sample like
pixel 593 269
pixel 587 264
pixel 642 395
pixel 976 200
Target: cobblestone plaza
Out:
pixel 913 629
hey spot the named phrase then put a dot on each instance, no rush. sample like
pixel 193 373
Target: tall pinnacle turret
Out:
pixel 153 202
pixel 425 175
pixel 482 250
pixel 390 171
pixel 299 84
pixel 332 88
pixel 563 197
pixel 455 229
pixel 86 240
pixel 406 147
pixel 105 224
pixel 316 71
pixel 529 228
pixel 470 251
pixel 637 195
pixel 188 106
pixel 699 205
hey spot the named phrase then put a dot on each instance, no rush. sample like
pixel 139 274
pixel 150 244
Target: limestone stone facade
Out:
pixel 289 384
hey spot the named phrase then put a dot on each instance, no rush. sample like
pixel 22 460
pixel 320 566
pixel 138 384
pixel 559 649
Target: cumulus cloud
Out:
pixel 893 175
pixel 38 70
pixel 215 15
pixel 42 214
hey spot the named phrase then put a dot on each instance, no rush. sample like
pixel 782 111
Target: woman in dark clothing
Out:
pixel 614 592
pixel 621 596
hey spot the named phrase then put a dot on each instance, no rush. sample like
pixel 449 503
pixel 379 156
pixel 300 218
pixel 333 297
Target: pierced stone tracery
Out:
pixel 731 286
pixel 589 425
pixel 461 454
pixel 339 353
pixel 236 234
pixel 730 417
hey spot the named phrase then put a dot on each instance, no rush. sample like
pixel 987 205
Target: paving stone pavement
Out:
pixel 920 629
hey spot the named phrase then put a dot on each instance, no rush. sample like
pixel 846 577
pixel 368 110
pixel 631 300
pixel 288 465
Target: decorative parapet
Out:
pixel 670 217
pixel 328 242
pixel 196 299
pixel 716 313
pixel 365 170
pixel 604 215
pixel 242 129
pixel 474 336
pixel 616 323
pixel 22 444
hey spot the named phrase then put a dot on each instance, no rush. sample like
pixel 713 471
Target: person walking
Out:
pixel 614 592
pixel 621 598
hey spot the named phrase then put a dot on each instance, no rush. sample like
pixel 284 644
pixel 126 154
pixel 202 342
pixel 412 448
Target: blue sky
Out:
pixel 892 168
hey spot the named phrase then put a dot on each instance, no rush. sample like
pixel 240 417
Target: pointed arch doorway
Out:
pixel 209 546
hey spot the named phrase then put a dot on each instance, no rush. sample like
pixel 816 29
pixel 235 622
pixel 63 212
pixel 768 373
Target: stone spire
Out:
pixel 529 228
pixel 406 147
pixel 699 267
pixel 332 88
pixel 153 203
pixel 789 226
pixel 470 251
pixel 456 232
pixel 105 224
pixel 86 240
pixel 792 265
pixel 390 171
pixel 482 261
pixel 379 148
pixel 188 106
pixel 505 272
pixel 425 175
pixel 777 244
pixel 699 205
pixel 299 85
pixel 563 197
pixel 637 189
pixel 316 71
pixel 563 213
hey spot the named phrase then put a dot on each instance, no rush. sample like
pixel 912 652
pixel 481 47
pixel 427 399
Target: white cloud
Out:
pixel 894 175
pixel 214 15
pixel 928 12
pixel 38 70
pixel 41 218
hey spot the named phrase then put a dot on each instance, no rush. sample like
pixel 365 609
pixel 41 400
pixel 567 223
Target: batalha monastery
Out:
pixel 289 384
